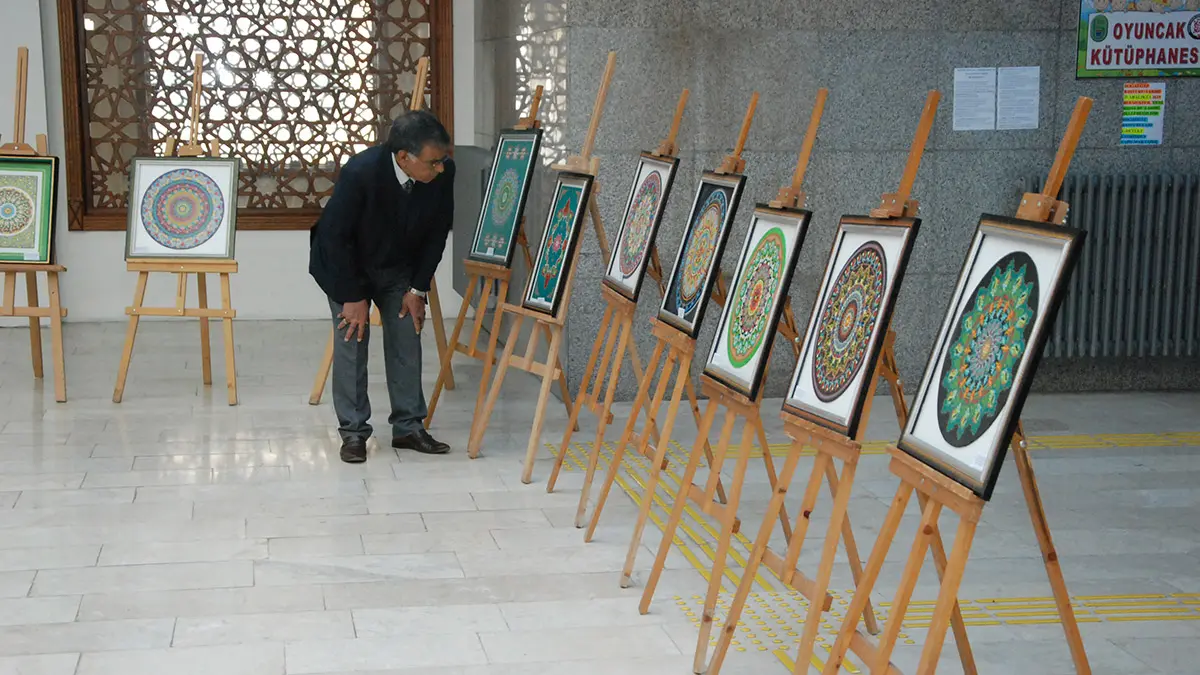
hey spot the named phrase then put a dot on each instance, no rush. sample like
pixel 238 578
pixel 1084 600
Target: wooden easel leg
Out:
pixel 961 640
pixel 439 328
pixel 624 333
pixel 448 355
pixel 769 464
pixel 483 408
pixel 694 402
pixel 639 401
pixel 56 339
pixel 837 518
pixel 947 600
pixel 563 387
pixel 230 366
pixel 490 358
pixel 314 397
pixel 656 468
pixel 139 294
pixel 851 544
pixel 1058 583
pixel 539 415
pixel 580 397
pixel 10 292
pixel 728 520
pixel 862 591
pixel 682 496
pixel 35 325
pixel 753 562
pixel 205 347
pixel 660 453
pixel 908 583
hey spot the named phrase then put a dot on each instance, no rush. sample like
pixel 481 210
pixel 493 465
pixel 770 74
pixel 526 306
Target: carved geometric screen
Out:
pixel 293 88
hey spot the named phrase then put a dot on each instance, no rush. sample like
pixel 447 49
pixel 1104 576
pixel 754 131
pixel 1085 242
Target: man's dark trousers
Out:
pixel 402 360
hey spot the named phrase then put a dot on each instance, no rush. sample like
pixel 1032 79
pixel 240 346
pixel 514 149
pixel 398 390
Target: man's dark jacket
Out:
pixel 373 234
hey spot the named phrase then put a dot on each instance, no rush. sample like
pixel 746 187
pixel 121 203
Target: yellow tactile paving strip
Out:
pixel 772 616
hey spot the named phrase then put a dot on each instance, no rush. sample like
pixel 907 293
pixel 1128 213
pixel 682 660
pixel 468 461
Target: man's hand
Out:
pixel 413 305
pixel 354 316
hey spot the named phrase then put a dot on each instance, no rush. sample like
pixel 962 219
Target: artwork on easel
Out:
pixel 699 255
pixel 738 356
pixel 28 197
pixel 182 207
pixel 986 353
pixel 851 315
pixel 639 228
pixel 504 201
pixel 552 267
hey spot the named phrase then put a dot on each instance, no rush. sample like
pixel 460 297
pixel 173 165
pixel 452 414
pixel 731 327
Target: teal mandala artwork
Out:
pixel 990 340
pixel 498 227
pixel 555 245
pixel 754 298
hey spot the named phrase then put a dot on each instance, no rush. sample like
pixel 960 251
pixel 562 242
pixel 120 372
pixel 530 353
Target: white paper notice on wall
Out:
pixel 1018 97
pixel 974 99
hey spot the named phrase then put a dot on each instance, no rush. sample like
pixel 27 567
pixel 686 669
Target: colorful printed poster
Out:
pixel 1142 119
pixel 1139 38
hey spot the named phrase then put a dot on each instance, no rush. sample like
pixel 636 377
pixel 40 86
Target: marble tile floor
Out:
pixel 175 534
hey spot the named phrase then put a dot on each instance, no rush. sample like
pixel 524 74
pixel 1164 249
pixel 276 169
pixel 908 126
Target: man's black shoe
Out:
pixel 354 450
pixel 420 441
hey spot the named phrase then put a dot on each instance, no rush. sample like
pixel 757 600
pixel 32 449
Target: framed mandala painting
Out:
pixel 556 254
pixel 182 207
pixel 849 320
pixel 639 228
pixel 699 256
pixel 504 200
pixel 739 355
pixel 28 201
pixel 987 351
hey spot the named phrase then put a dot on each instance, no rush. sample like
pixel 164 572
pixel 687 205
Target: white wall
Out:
pixel 273 281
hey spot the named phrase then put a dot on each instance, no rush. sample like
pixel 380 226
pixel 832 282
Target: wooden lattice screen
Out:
pixel 291 87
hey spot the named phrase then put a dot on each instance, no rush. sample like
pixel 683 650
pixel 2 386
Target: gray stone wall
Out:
pixel 878 59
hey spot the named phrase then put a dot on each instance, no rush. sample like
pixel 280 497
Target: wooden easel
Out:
pixel 55 312
pixel 681 350
pixel 830 445
pixel 936 491
pixel 489 276
pixel 181 269
pixel 435 302
pixel 583 163
pixel 616 331
pixel 737 406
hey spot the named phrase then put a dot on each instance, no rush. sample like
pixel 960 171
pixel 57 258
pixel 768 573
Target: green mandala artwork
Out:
pixel 990 341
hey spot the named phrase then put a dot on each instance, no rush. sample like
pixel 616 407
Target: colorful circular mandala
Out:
pixel 638 225
pixel 701 246
pixel 182 209
pixel 506 197
pixel 848 321
pixel 16 210
pixel 990 339
pixel 754 297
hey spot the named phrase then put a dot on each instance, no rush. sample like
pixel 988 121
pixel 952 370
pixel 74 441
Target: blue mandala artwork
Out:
pixel 182 209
